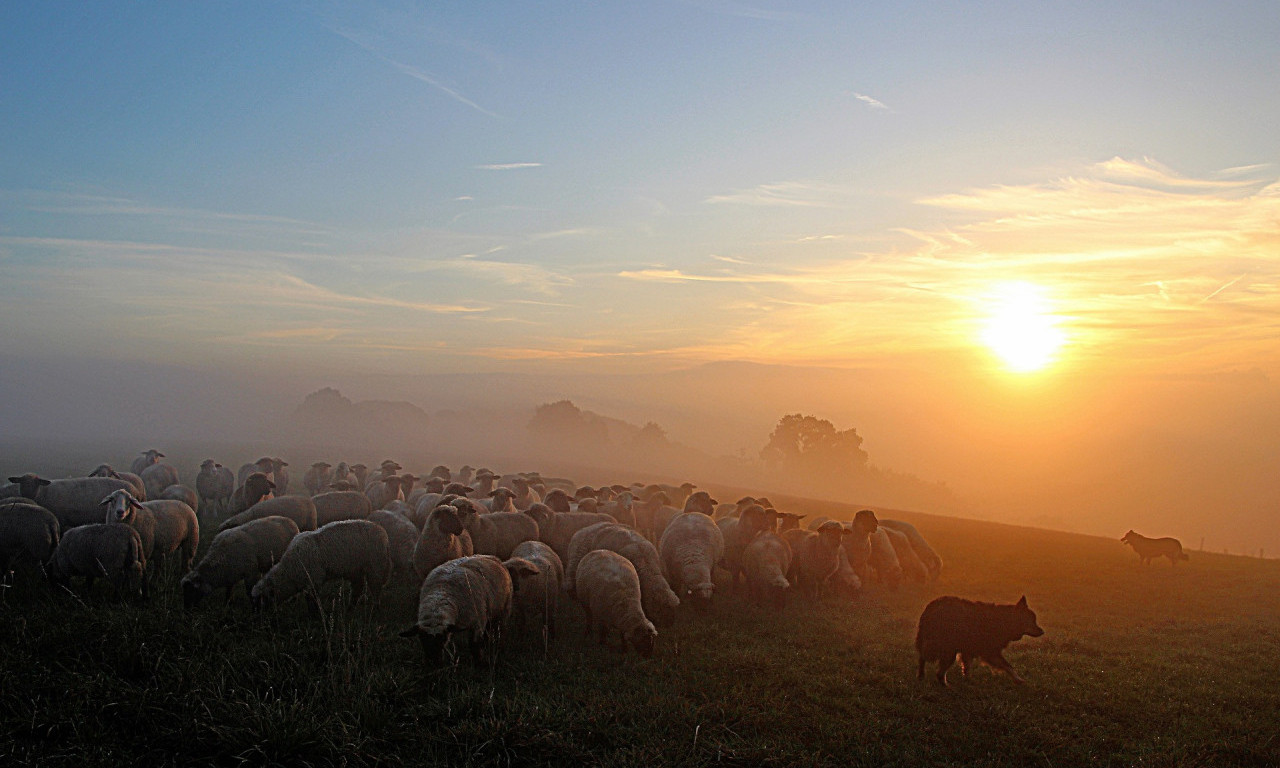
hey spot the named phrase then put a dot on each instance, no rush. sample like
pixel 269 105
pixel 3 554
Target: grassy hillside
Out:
pixel 1139 666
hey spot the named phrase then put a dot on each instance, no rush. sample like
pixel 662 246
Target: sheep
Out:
pixel 262 465
pixel 817 522
pixel 148 457
pixel 471 594
pixel 27 531
pixel 496 533
pixel 846 578
pixel 280 475
pixel 608 587
pixel 387 468
pixel 766 561
pixel 620 509
pixel 884 559
pixel 429 485
pixel 690 546
pixel 139 488
pixel 341 505
pixel 645 512
pixel 100 549
pixel 698 502
pixel 354 550
pixel 317 477
pixel 74 501
pixel 464 474
pixel 556 529
pixel 157 477
pixel 535 600
pixel 384 490
pixel 932 561
pixel 677 494
pixel 243 554
pixel 183 494
pixel 442 472
pixel 911 566
pixel 442 539
pixel 214 486
pixel 402 536
pixel 526 495
pixel 163 525
pixel 500 500
pixel 257 486
pixel 816 554
pixel 656 597
pixel 738 533
pixel 299 509
pixel 858 545
pixel 789 521
pixel 484 484
pixel 361 473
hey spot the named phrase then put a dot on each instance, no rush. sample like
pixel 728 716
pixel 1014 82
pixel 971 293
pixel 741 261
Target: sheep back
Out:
pixel 689 547
pixel 354 550
pixel 333 506
pixel 608 587
pixel 299 509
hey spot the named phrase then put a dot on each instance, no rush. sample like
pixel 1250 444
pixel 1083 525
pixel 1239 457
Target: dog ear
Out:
pixel 1022 603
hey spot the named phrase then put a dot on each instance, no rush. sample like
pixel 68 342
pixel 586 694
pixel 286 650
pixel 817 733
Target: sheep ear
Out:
pixel 495 492
pixel 42 481
pixel 134 502
pixel 105 501
pixel 413 631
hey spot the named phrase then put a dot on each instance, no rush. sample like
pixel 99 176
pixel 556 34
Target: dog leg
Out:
pixel 943 665
pixel 998 661
pixel 964 665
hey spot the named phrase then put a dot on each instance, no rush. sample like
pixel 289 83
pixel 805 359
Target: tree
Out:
pixel 562 420
pixel 808 444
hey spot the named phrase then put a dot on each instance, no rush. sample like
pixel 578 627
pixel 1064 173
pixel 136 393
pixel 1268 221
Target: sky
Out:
pixel 403 189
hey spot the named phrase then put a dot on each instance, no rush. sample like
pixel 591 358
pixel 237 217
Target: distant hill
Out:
pixel 328 417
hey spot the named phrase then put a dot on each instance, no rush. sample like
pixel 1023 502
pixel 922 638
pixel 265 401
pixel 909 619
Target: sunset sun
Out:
pixel 1020 327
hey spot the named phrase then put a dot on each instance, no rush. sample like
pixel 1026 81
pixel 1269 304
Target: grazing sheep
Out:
pixel 99 549
pixel 214 486
pixel 402 537
pixel 240 554
pixel 932 561
pixel 690 546
pixel 608 587
pixel 656 597
pixel 74 500
pixel 317 477
pixel 183 494
pixel 257 486
pixel 27 532
pixel 341 505
pixel 280 475
pixel 816 555
pixel 912 568
pixel 738 532
pixel 442 539
pixel 556 529
pixel 262 465
pixel 139 490
pixel 353 550
pixel 164 526
pixel 471 594
pixel 299 509
pixel 157 477
pixel 884 559
pixel 148 457
pixel 496 533
pixel 535 600
pixel 766 561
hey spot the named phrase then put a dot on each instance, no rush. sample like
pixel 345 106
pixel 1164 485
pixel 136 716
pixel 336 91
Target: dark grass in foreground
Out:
pixel 1139 666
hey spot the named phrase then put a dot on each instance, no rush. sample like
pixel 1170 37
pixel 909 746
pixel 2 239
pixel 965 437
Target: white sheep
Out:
pixel 657 598
pixel 383 491
pixel 932 561
pixel 766 561
pixel 214 486
pixel 556 529
pixel 353 550
pixel 98 549
pixel 535 599
pixel 27 531
pixel 442 539
pixel 884 559
pixel 910 563
pixel 402 537
pixel 243 554
pixel 317 477
pixel 139 490
pixel 280 475
pixel 496 533
pixel 299 509
pixel 858 544
pixel 157 477
pixel 74 500
pixel 470 594
pixel 816 555
pixel 148 457
pixel 526 495
pixel 262 465
pixel 690 547
pixel 608 588
pixel 738 532
pixel 341 505
pixel 500 500
pixel 181 493
pixel 164 526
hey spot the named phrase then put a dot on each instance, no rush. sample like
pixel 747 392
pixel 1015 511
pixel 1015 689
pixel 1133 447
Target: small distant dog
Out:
pixel 952 626
pixel 1149 548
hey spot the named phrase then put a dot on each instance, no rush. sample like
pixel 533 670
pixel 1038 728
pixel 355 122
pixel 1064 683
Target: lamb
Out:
pixel 496 533
pixel 656 597
pixel 183 494
pixel 341 505
pixel 148 457
pixel 884 559
pixel 556 529
pixel 262 465
pixel 240 554
pixel 354 550
pixel 442 539
pixel 402 537
pixel 912 568
pixel 738 532
pixel 690 546
pixel 163 526
pixel 139 488
pixel 766 561
pixel 98 549
pixel 470 594
pixel 299 509
pixel 608 587
pixel 74 501
pixel 535 600
pixel 317 477
pixel 280 475
pixel 816 555
pixel 932 561
pixel 27 531
pixel 157 477
pixel 256 487
pixel 214 486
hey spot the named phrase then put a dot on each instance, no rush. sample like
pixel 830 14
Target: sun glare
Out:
pixel 1021 328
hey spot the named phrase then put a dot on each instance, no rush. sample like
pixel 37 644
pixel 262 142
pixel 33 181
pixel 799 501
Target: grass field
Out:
pixel 1151 666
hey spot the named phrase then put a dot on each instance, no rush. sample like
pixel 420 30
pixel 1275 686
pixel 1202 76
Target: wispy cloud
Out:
pixel 506 166
pixel 790 194
pixel 870 102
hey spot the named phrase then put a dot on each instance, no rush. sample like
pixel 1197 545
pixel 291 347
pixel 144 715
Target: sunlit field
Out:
pixel 1139 665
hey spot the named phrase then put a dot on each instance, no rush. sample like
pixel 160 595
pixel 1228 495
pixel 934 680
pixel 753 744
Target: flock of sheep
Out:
pixel 483 547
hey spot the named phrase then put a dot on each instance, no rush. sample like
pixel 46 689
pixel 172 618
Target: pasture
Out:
pixel 1152 666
